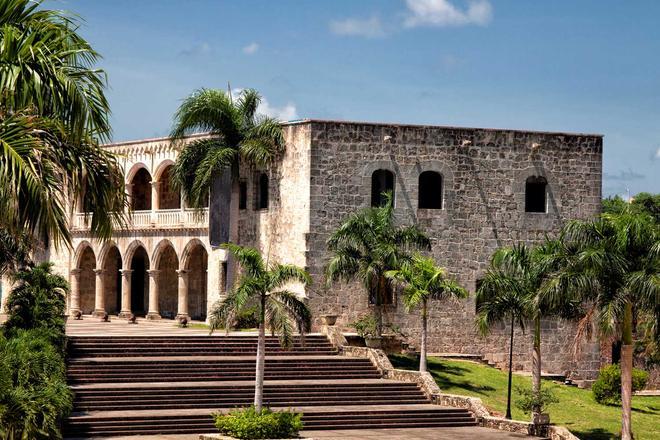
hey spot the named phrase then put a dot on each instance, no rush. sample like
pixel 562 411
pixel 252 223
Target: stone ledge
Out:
pixel 226 437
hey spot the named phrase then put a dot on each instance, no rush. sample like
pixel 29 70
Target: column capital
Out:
pixel 182 272
pixel 99 271
pixel 126 272
pixel 75 272
pixel 153 272
pixel 155 183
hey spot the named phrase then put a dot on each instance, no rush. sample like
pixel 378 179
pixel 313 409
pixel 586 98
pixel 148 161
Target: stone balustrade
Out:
pixel 159 218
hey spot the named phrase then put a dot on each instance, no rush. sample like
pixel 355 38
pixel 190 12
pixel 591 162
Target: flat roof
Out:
pixel 381 124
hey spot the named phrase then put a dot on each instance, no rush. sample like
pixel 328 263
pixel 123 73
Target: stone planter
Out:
pixel 226 437
pixel 329 319
pixel 541 419
pixel 373 341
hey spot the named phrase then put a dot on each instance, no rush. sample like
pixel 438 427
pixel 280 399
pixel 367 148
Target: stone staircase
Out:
pixel 171 385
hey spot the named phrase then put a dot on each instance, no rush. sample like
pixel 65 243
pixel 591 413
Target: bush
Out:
pixel 366 326
pixel 528 399
pixel 34 396
pixel 248 423
pixel 38 301
pixel 247 319
pixel 607 388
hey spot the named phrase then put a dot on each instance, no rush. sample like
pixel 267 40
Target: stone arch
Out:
pixel 136 259
pixel 130 252
pixel 111 263
pixel 194 261
pixel 85 259
pixel 134 169
pixel 161 167
pixel 166 262
pixel 140 187
pixel 168 196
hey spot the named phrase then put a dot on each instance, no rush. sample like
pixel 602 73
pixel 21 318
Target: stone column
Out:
pixel 154 312
pixel 74 294
pixel 99 302
pixel 182 309
pixel 129 191
pixel 125 293
pixel 155 205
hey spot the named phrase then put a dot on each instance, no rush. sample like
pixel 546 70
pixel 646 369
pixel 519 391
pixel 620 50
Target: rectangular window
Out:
pixel 242 196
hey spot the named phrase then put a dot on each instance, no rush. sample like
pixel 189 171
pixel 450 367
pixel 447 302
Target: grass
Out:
pixel 577 410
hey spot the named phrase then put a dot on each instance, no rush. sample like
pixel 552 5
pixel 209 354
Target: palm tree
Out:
pixel 237 135
pixel 504 295
pixel 263 286
pixel 53 111
pixel 367 245
pixel 612 265
pixel 423 280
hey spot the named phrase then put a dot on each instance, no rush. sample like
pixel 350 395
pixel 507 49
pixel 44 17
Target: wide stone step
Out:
pixel 313 420
pixel 224 377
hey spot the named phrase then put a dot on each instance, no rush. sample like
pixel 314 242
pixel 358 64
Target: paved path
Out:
pixel 468 433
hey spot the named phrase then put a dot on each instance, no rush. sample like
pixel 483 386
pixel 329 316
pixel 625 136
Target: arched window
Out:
pixel 535 194
pixel 168 197
pixel 141 191
pixel 430 190
pixel 382 181
pixel 263 191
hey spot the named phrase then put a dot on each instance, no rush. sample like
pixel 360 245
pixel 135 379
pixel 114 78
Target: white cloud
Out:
pixel 369 28
pixel 286 112
pixel 656 156
pixel 251 48
pixel 197 49
pixel 445 13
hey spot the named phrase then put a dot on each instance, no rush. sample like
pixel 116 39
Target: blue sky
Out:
pixel 589 66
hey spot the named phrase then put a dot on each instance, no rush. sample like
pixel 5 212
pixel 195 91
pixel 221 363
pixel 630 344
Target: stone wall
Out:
pixel 484 173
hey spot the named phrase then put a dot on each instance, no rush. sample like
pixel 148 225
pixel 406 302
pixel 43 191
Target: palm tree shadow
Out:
pixel 446 376
pixel 595 434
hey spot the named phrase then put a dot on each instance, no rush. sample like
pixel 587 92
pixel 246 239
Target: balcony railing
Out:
pixel 161 218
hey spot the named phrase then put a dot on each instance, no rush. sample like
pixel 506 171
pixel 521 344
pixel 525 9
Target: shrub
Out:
pixel 365 326
pixel 607 388
pixel 34 397
pixel 247 319
pixel 38 301
pixel 248 423
pixel 528 399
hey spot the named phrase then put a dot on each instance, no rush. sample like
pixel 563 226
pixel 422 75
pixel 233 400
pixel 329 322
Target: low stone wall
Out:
pixel 431 389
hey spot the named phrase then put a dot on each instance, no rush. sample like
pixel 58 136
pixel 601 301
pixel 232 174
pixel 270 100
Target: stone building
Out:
pixel 471 189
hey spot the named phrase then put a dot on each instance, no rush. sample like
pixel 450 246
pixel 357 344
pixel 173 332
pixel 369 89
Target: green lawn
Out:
pixel 576 410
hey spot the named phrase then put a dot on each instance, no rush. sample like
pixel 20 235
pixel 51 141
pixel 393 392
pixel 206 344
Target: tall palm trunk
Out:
pixel 234 214
pixel 536 363
pixel 508 396
pixel 261 358
pixel 422 350
pixel 378 307
pixel 626 373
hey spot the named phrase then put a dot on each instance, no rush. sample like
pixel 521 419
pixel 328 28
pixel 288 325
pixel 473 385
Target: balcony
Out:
pixel 157 219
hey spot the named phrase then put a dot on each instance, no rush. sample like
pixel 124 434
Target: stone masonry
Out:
pixel 326 174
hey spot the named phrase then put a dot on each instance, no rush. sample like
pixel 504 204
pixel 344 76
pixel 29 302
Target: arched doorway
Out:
pixel 87 280
pixel 139 282
pixel 141 191
pixel 197 265
pixel 112 280
pixel 168 281
pixel 168 197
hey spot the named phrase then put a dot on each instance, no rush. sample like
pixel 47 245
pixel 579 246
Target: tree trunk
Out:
pixel 378 307
pixel 508 396
pixel 536 363
pixel 261 359
pixel 234 214
pixel 626 374
pixel 422 350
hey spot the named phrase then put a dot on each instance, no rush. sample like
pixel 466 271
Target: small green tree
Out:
pixel 367 245
pixel 422 281
pixel 38 301
pixel 263 286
